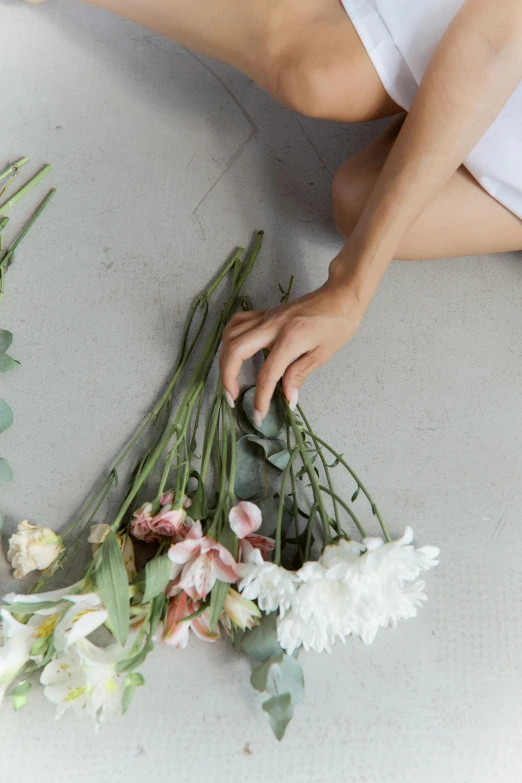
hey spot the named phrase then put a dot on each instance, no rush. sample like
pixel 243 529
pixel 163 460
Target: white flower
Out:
pixel 85 677
pixel 355 589
pixel 240 611
pixel 32 548
pixel 98 533
pixel 272 586
pixel 85 615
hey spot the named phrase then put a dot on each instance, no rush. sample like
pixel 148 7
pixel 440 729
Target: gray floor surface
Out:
pixel 164 162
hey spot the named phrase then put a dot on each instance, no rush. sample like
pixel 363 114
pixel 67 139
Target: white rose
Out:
pixel 32 548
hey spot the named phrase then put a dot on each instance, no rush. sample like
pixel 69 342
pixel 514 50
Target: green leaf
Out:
pixel 6 416
pixel 129 664
pixel 157 577
pixel 250 472
pixel 39 647
pixel 113 586
pixel 355 494
pixel 279 709
pixel 157 611
pixel 261 642
pixel 217 601
pixel 259 676
pixel 6 472
pixel 6 338
pixel 269 506
pixel 274 421
pixel 285 675
pixel 199 507
pixel 26 607
pixel 7 363
pixel 20 693
pixel 132 681
pixel 280 460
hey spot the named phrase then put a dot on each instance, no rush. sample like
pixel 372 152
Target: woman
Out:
pixel 454 65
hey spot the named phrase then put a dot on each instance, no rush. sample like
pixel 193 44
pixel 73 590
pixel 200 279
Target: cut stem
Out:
pixel 4 263
pixel 13 168
pixel 26 188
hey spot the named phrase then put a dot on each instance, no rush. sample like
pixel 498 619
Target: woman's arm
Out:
pixel 474 70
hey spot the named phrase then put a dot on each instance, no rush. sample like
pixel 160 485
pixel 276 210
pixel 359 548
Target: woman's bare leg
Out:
pixel 306 53
pixel 462 220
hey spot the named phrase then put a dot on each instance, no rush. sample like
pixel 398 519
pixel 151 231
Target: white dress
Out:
pixel 400 37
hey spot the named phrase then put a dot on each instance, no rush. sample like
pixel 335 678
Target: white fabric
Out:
pixel 400 37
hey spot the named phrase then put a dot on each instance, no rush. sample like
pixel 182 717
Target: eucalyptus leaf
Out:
pixel 250 471
pixel 157 577
pixel 280 460
pixel 259 676
pixel 7 363
pixel 113 586
pixel 6 416
pixel 6 338
pixel 269 506
pixel 261 642
pixel 285 675
pixel 273 423
pixel 6 472
pixel 279 709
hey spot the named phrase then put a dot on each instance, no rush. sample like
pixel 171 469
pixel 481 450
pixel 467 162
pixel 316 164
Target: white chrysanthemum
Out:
pixel 272 586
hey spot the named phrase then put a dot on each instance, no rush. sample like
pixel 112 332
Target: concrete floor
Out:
pixel 164 162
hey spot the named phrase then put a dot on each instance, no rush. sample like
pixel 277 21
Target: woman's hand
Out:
pixel 300 336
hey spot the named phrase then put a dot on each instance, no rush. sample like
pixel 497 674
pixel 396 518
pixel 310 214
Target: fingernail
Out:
pixel 229 399
pixel 258 419
pixel 292 402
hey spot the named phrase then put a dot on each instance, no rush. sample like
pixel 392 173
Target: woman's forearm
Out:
pixel 473 72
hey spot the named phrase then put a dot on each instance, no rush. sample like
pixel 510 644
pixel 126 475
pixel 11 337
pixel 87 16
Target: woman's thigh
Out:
pixel 462 220
pixel 306 53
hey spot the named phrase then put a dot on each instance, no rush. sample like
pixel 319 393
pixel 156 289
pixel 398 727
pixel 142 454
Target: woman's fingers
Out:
pixel 238 350
pixel 280 357
pixel 298 372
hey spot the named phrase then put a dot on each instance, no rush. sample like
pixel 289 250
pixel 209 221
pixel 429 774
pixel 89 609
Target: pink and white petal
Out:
pixel 225 555
pixel 184 551
pixel 245 518
pixel 201 628
pixel 223 571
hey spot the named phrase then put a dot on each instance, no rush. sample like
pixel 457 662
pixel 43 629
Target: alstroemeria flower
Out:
pixel 240 611
pixel 198 561
pixel 85 677
pixel 85 615
pixel 32 548
pixel 272 586
pixel 177 628
pixel 247 545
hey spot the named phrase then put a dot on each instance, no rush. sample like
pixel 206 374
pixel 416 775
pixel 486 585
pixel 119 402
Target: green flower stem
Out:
pixel 210 434
pixel 222 496
pixel 166 471
pixel 4 263
pixel 233 458
pixel 3 222
pixel 325 468
pixel 293 485
pixel 309 528
pixel 13 168
pixel 26 188
pixel 361 486
pixel 347 509
pixel 318 498
pixel 279 524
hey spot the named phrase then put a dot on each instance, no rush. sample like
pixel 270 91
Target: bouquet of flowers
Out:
pixel 238 531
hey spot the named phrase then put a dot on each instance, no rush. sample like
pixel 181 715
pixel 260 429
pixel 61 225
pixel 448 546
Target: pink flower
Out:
pixel 198 561
pixel 167 499
pixel 245 518
pixel 168 522
pixel 176 630
pixel 248 544
pixel 140 525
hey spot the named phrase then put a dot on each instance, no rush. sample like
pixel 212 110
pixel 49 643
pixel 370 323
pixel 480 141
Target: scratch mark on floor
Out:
pixel 319 156
pixel 254 131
